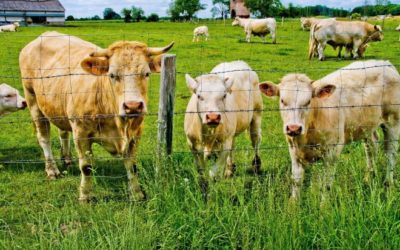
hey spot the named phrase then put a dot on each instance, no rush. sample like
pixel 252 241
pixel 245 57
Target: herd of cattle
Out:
pixel 100 96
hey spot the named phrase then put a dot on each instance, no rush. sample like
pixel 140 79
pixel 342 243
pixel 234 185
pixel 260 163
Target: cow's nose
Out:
pixel 133 107
pixel 24 105
pixel 293 130
pixel 213 119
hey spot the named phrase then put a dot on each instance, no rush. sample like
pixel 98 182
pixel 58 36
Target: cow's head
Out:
pixel 377 34
pixel 10 100
pixel 211 92
pixel 128 66
pixel 296 93
pixel 236 21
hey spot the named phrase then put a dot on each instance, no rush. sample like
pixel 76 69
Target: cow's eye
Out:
pixel 147 74
pixel 283 102
pixel 200 97
pixel 224 96
pixel 112 76
pixel 9 96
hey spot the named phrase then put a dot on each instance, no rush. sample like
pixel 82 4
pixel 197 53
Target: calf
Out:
pixel 10 100
pixel 224 103
pixel 200 31
pixel 350 104
pixel 257 27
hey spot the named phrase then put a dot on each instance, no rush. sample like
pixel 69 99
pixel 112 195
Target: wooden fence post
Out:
pixel 166 104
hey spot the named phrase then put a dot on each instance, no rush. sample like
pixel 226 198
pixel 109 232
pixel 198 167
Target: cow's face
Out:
pixel 377 35
pixel 10 100
pixel 210 92
pixel 128 66
pixel 236 21
pixel 296 93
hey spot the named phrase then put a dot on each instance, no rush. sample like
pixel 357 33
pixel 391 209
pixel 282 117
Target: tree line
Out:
pixel 180 10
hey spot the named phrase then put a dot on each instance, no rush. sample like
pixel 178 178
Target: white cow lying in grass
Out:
pixel 9 27
pixel 10 100
pixel 320 117
pixel 257 27
pixel 224 103
pixel 200 31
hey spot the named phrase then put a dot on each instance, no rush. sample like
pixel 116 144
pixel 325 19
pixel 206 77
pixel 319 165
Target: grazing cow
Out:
pixel 9 27
pixel 320 117
pixel 257 27
pixel 10 100
pixel 200 31
pixel 224 103
pixel 345 33
pixel 100 95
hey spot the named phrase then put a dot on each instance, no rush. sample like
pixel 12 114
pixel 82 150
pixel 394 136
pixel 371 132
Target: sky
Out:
pixel 86 8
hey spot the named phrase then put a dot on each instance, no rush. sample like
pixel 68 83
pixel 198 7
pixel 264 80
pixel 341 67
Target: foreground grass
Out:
pixel 245 212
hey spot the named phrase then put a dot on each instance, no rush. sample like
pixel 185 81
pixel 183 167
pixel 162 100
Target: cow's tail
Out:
pixel 312 43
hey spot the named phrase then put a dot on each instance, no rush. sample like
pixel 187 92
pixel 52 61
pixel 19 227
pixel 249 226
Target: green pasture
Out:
pixel 246 212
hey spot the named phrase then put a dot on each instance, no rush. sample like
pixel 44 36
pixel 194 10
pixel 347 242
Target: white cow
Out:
pixel 10 100
pixel 350 104
pixel 9 27
pixel 224 103
pixel 257 27
pixel 200 31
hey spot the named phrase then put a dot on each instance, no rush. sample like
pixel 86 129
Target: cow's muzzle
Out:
pixel 133 108
pixel 293 130
pixel 213 119
pixel 23 105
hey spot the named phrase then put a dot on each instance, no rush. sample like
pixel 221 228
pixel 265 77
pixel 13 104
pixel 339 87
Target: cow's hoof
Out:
pixel 67 162
pixel 230 171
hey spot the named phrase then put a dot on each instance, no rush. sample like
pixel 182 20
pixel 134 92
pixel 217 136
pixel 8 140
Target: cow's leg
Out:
pixel 230 165
pixel 207 37
pixel 65 147
pixel 263 38
pixel 369 153
pixel 297 173
pixel 255 136
pixel 132 173
pixel 198 155
pixel 391 132
pixel 248 36
pixel 340 51
pixel 273 35
pixel 84 150
pixel 42 127
pixel 321 48
pixel 356 45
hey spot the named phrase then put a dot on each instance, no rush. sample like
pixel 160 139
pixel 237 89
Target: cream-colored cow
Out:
pixel 350 104
pixel 224 103
pixel 257 27
pixel 200 31
pixel 100 95
pixel 9 27
pixel 10 100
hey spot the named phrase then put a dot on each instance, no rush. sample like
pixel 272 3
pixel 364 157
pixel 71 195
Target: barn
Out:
pixel 49 12
pixel 238 9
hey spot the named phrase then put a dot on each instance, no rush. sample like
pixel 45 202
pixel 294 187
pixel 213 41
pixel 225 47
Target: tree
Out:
pixel 153 18
pixel 264 8
pixel 184 8
pixel 221 7
pixel 70 18
pixel 96 17
pixel 126 13
pixel 137 13
pixel 109 14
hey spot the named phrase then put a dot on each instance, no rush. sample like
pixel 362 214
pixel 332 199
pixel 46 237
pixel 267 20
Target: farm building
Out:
pixel 32 11
pixel 237 8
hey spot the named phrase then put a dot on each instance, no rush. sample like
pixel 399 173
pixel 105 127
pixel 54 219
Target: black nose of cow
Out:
pixel 213 119
pixel 293 130
pixel 133 107
pixel 24 105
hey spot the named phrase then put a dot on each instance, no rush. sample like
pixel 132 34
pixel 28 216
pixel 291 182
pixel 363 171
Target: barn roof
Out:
pixel 31 5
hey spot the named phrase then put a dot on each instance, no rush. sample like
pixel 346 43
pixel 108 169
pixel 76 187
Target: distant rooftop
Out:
pixel 31 5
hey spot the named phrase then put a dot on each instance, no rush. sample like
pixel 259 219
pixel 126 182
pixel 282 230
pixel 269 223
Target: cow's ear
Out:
pixel 228 84
pixel 155 64
pixel 377 28
pixel 324 92
pixel 191 83
pixel 95 65
pixel 269 88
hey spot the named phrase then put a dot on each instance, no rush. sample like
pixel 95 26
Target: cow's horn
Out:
pixel 101 53
pixel 158 51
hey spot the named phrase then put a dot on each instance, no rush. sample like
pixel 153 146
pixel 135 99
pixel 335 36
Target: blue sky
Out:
pixel 79 8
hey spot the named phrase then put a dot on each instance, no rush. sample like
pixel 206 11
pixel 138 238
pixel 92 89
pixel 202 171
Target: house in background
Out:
pixel 238 9
pixel 49 12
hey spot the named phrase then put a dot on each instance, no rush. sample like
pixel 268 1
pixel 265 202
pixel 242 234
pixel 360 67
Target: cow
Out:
pixel 223 104
pixel 307 22
pixel 10 100
pixel 257 27
pixel 200 31
pixel 357 33
pixel 9 27
pixel 100 95
pixel 350 104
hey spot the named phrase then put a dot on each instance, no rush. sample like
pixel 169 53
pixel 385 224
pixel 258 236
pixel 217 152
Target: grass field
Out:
pixel 245 212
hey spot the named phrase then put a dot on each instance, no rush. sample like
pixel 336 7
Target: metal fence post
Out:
pixel 166 104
